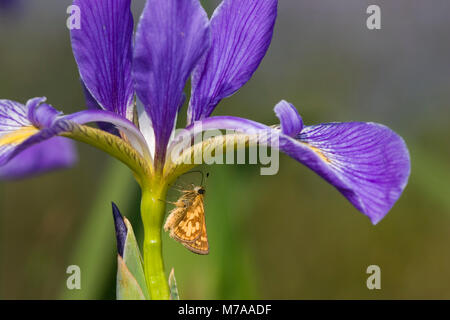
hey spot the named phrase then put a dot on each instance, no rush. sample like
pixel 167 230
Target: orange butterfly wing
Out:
pixel 191 230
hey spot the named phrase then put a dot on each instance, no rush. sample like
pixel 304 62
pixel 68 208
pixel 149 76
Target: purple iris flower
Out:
pixel 137 86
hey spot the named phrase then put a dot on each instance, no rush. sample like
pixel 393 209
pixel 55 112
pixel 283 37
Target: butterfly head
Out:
pixel 199 190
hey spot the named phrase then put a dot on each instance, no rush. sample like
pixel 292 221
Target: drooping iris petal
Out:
pixel 241 34
pixel 290 121
pixel 171 37
pixel 103 50
pixel 15 128
pixel 25 148
pixel 367 162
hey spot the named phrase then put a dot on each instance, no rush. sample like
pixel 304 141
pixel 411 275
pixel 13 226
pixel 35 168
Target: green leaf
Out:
pixel 133 259
pixel 173 286
pixel 127 285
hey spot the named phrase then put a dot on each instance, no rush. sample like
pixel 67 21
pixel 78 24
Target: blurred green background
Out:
pixel 272 237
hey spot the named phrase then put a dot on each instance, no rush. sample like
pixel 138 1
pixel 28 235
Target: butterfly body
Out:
pixel 186 222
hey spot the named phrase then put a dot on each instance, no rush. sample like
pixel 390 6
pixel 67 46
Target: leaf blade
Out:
pixel 127 285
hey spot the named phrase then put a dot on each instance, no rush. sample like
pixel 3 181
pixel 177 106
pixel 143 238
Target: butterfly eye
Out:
pixel 201 191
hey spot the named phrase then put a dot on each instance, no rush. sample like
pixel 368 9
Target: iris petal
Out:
pixel 241 34
pixel 55 153
pixel 103 50
pixel 25 148
pixel 291 122
pixel 171 37
pixel 367 162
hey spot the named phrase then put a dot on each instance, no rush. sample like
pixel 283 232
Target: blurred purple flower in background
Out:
pixel 9 5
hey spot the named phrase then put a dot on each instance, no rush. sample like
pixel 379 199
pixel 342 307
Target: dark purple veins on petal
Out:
pixel 367 162
pixel 38 151
pixel 241 35
pixel 171 37
pixel 103 51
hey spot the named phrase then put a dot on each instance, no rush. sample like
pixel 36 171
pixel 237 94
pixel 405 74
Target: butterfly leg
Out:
pixel 169 202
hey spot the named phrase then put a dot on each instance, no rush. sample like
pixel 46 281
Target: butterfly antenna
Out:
pixel 197 171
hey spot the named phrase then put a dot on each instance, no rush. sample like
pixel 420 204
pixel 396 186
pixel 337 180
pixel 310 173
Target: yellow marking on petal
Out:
pixel 318 152
pixel 18 136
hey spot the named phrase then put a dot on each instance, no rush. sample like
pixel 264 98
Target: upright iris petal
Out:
pixel 241 34
pixel 103 50
pixel 28 144
pixel 171 37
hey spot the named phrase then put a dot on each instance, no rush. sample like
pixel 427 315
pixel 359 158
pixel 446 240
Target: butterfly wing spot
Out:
pixel 199 246
pixel 186 230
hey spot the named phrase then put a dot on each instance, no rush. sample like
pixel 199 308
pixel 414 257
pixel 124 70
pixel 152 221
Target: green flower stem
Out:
pixel 152 210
